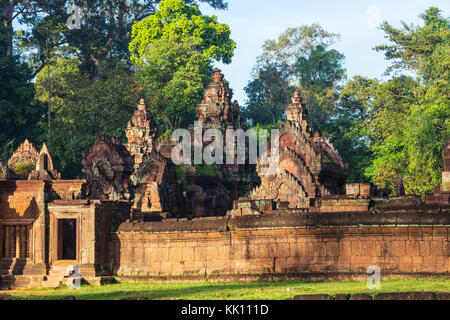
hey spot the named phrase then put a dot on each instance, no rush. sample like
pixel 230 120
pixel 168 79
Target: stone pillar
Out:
pixel 39 225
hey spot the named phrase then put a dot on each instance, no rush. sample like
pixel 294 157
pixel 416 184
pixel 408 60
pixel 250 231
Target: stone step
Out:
pixel 12 261
pixel 22 283
pixel 51 284
pixel 6 265
pixel 59 269
pixel 58 273
pixel 57 277
pixel 9 282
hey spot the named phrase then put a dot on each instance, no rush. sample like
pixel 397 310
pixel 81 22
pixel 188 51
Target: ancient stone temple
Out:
pixel 23 160
pixel 28 163
pixel 213 188
pixel 138 215
pixel 309 166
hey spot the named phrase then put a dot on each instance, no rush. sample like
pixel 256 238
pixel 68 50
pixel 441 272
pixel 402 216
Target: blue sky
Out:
pixel 254 21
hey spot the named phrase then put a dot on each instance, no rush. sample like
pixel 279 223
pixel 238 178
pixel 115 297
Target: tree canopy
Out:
pixel 173 50
pixel 384 130
pixel 19 113
pixel 176 21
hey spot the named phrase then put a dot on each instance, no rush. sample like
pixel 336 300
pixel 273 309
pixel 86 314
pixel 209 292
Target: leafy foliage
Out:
pixel 84 109
pixel 173 49
pixel 300 58
pixel 268 94
pixel 173 79
pixel 209 170
pixel 24 168
pixel 19 114
pixel 410 122
pixel 176 21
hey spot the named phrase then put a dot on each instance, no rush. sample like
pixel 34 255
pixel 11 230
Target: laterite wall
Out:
pixel 398 241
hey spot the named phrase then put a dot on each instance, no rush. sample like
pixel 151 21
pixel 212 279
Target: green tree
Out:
pixel 373 112
pixel 19 114
pixel 410 123
pixel 268 94
pixel 423 50
pixel 84 109
pixel 173 50
pixel 106 28
pixel 174 77
pixel 294 45
pixel 177 21
pixel 303 59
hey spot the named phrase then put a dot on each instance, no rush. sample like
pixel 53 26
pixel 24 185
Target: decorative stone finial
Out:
pixel 296 111
pixel 217 75
pixel 142 106
pixel 296 98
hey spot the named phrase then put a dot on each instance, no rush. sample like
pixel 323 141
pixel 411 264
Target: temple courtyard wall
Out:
pixel 399 241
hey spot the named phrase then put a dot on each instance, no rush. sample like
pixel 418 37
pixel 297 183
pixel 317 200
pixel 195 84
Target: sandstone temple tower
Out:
pixel 309 165
pixel 140 133
pixel 216 109
pixel 211 189
pixel 155 180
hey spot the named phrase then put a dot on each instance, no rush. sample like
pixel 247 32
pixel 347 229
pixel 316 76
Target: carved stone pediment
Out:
pixel 108 166
pixel 44 167
pixel 23 160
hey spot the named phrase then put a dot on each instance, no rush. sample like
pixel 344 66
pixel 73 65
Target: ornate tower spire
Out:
pixel 140 133
pixel 26 152
pixel 296 111
pixel 217 91
pixel 217 106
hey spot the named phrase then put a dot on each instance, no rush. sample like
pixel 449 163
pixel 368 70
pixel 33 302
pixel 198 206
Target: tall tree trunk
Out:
pixel 98 63
pixel 7 14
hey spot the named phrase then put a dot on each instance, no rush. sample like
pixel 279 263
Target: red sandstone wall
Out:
pixel 108 217
pixel 23 203
pixel 21 199
pixel 251 246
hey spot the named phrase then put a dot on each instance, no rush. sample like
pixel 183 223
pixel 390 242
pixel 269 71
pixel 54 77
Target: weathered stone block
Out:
pixel 445 187
pixel 352 189
pixel 364 189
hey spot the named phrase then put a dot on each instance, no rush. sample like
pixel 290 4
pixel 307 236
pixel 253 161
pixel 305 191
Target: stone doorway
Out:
pixel 67 239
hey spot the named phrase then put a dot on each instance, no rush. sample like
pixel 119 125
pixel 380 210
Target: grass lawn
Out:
pixel 234 291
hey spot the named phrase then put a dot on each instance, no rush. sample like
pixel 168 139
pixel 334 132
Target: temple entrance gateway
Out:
pixel 67 239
